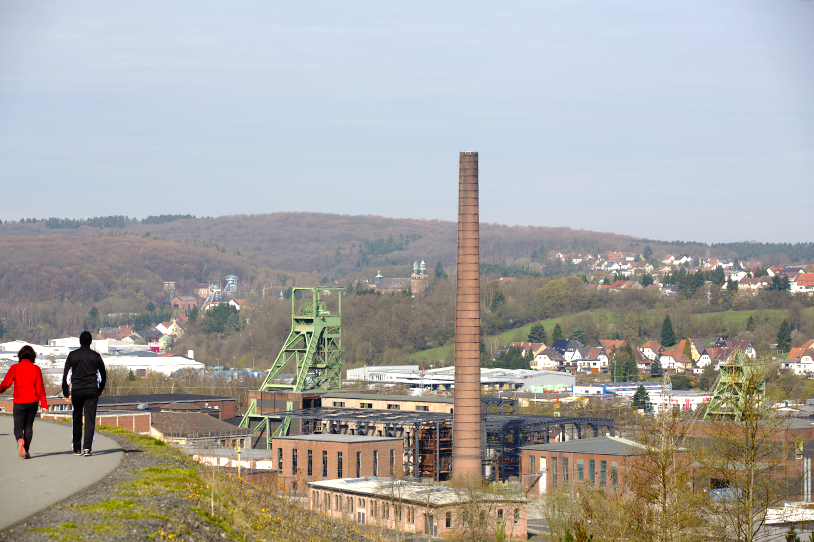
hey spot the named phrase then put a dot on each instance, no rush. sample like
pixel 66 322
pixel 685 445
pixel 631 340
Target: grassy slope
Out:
pixel 507 337
pixel 229 507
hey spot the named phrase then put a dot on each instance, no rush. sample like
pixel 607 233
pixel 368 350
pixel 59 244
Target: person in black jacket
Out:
pixel 83 381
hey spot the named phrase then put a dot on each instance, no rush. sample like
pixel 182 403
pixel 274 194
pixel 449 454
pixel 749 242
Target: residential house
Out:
pixel 651 349
pixel 803 283
pixel 569 348
pixel 609 345
pixel 620 285
pixel 676 358
pixel 755 283
pixel 800 360
pixel 594 360
pixel 547 359
pixel 528 348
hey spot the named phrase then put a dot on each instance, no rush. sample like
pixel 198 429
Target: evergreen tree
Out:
pixel 2 330
pixel 655 368
pixel 647 280
pixel 557 335
pixel 668 338
pixel 731 285
pixel 717 275
pixel 511 359
pixel 497 300
pixel 538 334
pixel 624 363
pixel 616 336
pixel 94 313
pixel 641 399
pixel 150 307
pixel 784 337
pixel 750 324
pixel 439 271
pixel 688 349
pixel 647 252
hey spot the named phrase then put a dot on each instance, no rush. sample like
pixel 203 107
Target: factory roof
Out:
pixel 380 397
pixel 406 491
pixel 328 437
pixel 606 445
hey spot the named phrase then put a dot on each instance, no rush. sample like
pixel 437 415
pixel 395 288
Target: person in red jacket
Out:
pixel 28 391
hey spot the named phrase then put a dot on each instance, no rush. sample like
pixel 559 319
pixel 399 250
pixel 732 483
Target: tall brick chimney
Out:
pixel 466 445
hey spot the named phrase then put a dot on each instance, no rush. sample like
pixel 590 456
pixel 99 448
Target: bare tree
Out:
pixel 747 459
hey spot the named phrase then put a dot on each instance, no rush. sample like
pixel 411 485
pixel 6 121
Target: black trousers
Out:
pixel 84 404
pixel 24 414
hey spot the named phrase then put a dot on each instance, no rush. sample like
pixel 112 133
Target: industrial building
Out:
pixel 468 435
pixel 417 508
pixel 443 378
pixel 311 458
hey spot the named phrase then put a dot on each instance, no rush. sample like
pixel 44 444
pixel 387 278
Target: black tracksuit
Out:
pixel 84 381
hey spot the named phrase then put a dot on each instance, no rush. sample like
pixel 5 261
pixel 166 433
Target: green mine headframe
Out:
pixel 313 348
pixel 741 384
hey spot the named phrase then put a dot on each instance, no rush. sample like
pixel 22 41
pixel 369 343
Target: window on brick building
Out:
pixel 280 460
pixel 294 461
pixel 565 471
pixel 310 463
pixel 358 464
pixel 324 463
pixel 580 469
pixel 339 464
pixel 375 462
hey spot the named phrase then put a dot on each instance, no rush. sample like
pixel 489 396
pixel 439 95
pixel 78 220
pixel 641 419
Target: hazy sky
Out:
pixel 670 120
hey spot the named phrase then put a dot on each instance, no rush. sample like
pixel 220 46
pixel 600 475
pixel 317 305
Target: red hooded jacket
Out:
pixel 28 386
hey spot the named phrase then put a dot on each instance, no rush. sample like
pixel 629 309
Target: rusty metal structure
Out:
pixel 467 458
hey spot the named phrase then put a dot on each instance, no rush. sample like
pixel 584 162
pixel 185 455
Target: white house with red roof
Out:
pixel 800 360
pixel 803 283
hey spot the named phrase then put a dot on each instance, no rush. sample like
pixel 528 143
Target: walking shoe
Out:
pixel 21 447
pixel 86 452
pixel 27 456
pixel 77 452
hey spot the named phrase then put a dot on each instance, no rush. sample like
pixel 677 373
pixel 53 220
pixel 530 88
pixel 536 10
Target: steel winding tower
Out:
pixel 314 346
pixel 739 380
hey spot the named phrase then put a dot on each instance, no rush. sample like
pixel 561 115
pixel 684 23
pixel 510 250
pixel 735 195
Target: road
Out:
pixel 52 474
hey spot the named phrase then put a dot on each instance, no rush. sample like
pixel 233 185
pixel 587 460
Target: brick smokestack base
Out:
pixel 466 445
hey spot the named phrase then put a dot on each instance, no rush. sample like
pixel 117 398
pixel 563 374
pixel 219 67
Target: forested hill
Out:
pixel 337 245
pixel 87 269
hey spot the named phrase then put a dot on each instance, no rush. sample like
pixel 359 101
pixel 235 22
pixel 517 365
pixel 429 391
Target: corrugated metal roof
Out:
pixel 598 445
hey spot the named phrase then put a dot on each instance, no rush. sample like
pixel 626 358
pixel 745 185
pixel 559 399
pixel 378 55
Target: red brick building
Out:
pixel 418 508
pixel 309 458
pixel 600 462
